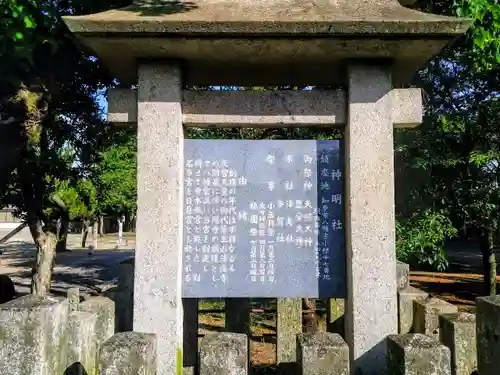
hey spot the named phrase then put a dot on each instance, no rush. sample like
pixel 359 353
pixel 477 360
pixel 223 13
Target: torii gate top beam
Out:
pixel 270 42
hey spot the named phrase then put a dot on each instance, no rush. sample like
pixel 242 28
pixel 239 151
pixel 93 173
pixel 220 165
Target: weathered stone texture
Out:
pixel 82 344
pixel 426 315
pixel 417 354
pixel 73 296
pixel 406 297
pixel 105 309
pixel 488 335
pixel 160 176
pixel 402 275
pixel 33 336
pixel 371 311
pixel 322 353
pixel 224 354
pixel 356 29
pixel 458 332
pixel 128 353
pixel 288 325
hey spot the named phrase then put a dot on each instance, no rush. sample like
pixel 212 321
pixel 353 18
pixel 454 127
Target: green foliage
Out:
pixel 115 176
pixel 17 20
pixel 457 147
pixel 485 32
pixel 81 200
pixel 47 106
pixel 420 239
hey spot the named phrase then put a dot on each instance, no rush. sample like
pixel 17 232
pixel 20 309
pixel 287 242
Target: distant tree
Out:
pixel 81 203
pixel 458 144
pixel 115 177
pixel 47 102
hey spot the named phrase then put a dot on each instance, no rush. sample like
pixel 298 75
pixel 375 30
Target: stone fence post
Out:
pixel 458 332
pixel 128 353
pixel 224 354
pixel 288 325
pixel 417 354
pixel 322 353
pixel 488 335
pixel 33 336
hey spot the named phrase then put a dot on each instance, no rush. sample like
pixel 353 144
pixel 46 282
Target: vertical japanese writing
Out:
pixel 193 210
pixel 260 217
pixel 329 221
pixel 210 219
pixel 257 222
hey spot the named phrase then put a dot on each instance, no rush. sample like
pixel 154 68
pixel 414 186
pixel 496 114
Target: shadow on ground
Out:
pixel 457 288
pixel 93 272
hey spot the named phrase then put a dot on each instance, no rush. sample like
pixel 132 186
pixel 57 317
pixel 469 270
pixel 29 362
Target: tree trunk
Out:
pixel 486 244
pixel 85 232
pixel 101 226
pixel 62 232
pixel 62 235
pixel 310 322
pixel 45 242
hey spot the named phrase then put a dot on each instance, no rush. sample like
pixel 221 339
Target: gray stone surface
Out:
pixel 224 354
pixel 125 297
pixel 426 315
pixel 288 325
pixel 371 311
pixel 406 298
pixel 402 275
pixel 129 353
pixel 265 109
pixel 157 284
pixel 314 35
pixel 82 343
pixel 488 334
pixel 417 354
pixel 122 106
pixel 73 296
pixel 104 308
pixel 263 219
pixel 322 353
pixel 458 332
pixel 33 336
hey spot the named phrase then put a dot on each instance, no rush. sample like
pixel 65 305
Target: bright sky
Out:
pixel 103 103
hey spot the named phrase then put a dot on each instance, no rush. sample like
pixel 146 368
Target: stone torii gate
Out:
pixel 369 47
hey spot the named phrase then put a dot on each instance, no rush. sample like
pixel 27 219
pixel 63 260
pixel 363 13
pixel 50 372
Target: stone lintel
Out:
pixel 266 109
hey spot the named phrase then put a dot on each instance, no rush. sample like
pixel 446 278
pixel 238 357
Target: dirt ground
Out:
pixel 92 271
